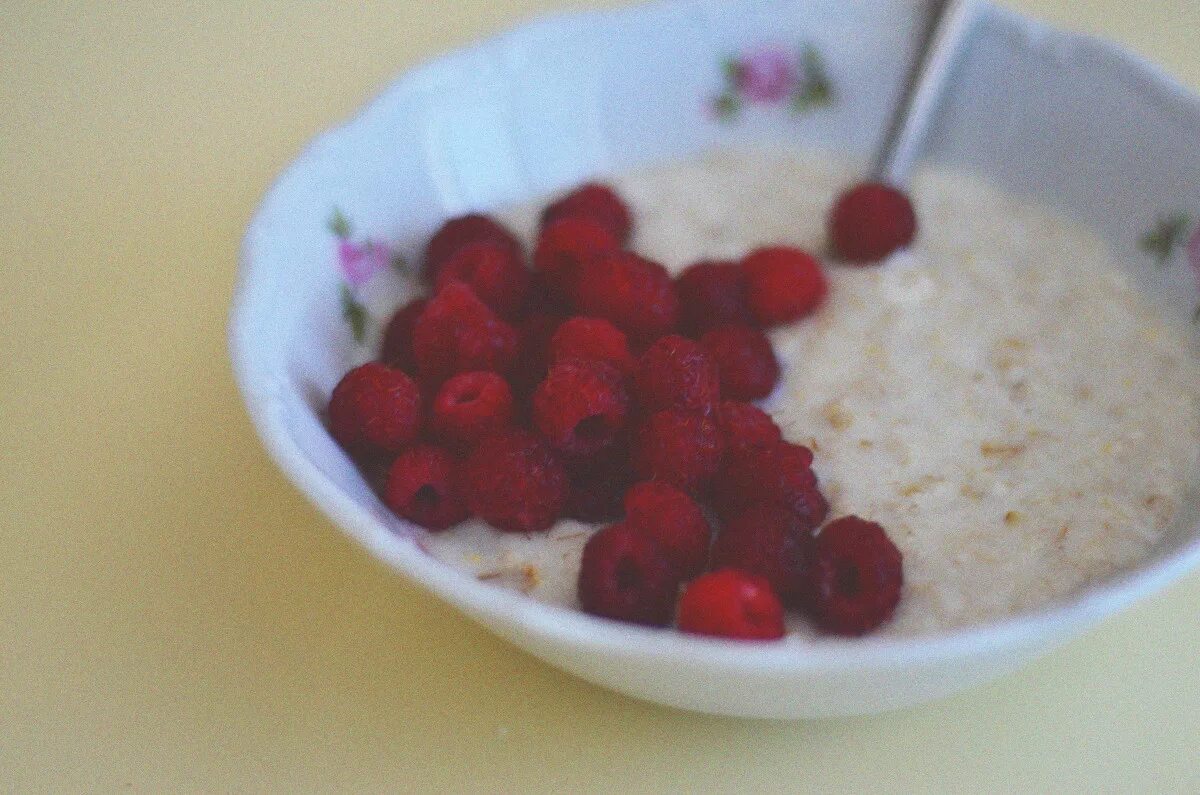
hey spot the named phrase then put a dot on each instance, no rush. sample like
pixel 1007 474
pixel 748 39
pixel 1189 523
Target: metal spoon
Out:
pixel 947 27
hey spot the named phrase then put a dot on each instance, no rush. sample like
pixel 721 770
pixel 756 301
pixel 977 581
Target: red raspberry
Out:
pixel 674 521
pixel 746 425
pixel 870 221
pixel 533 353
pixel 712 294
pixel 783 284
pixel 592 339
pixel 457 333
pixel 580 407
pixel 770 541
pixel 623 575
pixel 599 483
pixel 565 245
pixel 543 299
pixel 397 339
pixel 429 390
pixel 855 577
pixel 514 482
pixel 375 409
pixel 374 469
pixel 494 273
pixel 676 373
pixel 682 448
pixel 731 604
pixel 591 503
pixel 462 231
pixel 779 475
pixel 635 294
pixel 469 407
pixel 422 486
pixel 597 201
pixel 745 361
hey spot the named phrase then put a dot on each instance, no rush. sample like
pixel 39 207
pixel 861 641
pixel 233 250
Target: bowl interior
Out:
pixel 1074 123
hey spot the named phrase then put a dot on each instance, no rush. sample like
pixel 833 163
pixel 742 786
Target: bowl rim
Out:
pixel 502 608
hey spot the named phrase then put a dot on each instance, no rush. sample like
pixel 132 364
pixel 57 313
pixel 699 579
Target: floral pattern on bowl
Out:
pixel 772 75
pixel 359 262
pixel 1171 234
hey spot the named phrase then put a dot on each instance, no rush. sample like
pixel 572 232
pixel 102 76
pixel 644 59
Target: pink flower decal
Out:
pixel 773 75
pixel 767 75
pixel 359 262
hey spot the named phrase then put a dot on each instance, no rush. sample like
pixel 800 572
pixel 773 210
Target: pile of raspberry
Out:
pixel 597 387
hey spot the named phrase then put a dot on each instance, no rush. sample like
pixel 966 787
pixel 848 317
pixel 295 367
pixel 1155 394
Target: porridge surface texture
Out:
pixel 1000 398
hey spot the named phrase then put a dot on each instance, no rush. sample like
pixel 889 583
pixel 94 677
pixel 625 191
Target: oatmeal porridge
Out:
pixel 999 397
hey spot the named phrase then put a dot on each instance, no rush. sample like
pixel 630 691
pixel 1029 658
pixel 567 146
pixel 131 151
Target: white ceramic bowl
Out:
pixel 1070 120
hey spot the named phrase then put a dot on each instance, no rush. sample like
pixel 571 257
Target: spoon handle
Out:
pixel 948 23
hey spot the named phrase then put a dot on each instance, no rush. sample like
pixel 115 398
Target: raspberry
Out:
pixel 682 448
pixel 374 469
pixel 770 541
pixel 745 361
pixel 565 245
pixel 623 575
pixel 590 502
pixel 462 231
pixel 634 294
pixel 855 577
pixel 778 475
pixel 457 333
pixel 422 486
pixel 514 482
pixel 676 373
pixel 731 604
pixel 543 299
pixel 375 409
pixel 746 425
pixel 469 407
pixel 397 339
pixel 599 483
pixel 494 273
pixel 580 407
pixel 596 201
pixel 783 284
pixel 533 353
pixel 870 221
pixel 712 294
pixel 674 521
pixel 592 339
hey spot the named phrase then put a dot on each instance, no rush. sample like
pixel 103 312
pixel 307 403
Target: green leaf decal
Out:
pixel 816 90
pixel 731 68
pixel 339 224
pixel 1167 234
pixel 354 314
pixel 726 106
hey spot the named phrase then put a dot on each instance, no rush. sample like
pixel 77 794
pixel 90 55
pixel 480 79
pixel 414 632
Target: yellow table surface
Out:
pixel 175 616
